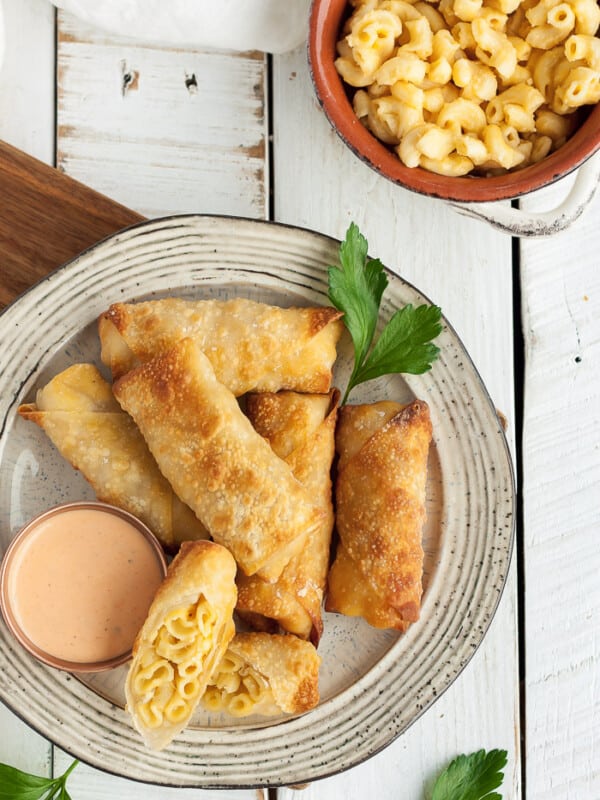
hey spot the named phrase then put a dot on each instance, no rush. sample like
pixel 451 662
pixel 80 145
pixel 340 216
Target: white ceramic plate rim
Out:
pixel 362 720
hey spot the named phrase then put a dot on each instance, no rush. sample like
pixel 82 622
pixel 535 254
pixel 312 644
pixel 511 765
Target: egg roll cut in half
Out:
pixel 380 511
pixel 80 415
pixel 181 643
pixel 300 429
pixel 251 346
pixel 266 674
pixel 247 497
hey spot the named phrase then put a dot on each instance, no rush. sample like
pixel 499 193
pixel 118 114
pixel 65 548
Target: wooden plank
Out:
pixel 465 266
pixel 27 108
pixel 46 218
pixel 162 131
pixel 27 121
pixel 561 475
pixel 86 783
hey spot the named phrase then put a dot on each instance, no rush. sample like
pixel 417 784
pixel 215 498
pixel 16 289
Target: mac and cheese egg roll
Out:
pixel 251 346
pixel 247 497
pixel 185 635
pixel 301 429
pixel 265 674
pixel 78 412
pixel 380 511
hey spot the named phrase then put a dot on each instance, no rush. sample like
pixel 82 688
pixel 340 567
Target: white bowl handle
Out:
pixel 521 223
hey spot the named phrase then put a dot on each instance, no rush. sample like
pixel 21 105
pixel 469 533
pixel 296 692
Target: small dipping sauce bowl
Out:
pixel 76 584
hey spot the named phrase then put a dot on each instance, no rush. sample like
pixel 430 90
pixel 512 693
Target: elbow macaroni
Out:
pixel 166 683
pixel 238 689
pixel 460 86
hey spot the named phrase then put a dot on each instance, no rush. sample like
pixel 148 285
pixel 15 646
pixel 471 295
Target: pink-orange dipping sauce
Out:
pixel 80 581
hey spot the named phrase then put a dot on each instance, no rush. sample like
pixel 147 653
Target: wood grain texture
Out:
pixel 465 266
pixel 87 783
pixel 561 475
pixel 27 108
pixel 161 130
pixel 46 218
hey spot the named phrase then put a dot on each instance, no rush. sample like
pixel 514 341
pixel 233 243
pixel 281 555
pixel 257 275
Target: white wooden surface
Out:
pixel 162 148
pixel 561 445
pixel 27 80
pixel 162 130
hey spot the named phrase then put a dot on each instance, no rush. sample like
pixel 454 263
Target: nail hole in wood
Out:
pixel 129 79
pixel 191 84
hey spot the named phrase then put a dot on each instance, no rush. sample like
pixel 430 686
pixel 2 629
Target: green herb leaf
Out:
pixel 472 777
pixel 14 783
pixel 356 287
pixel 405 343
pixel 18 785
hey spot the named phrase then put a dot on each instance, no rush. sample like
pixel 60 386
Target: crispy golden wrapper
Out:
pixel 251 346
pixel 185 635
pixel 301 429
pixel 79 414
pixel 266 674
pixel 380 511
pixel 247 497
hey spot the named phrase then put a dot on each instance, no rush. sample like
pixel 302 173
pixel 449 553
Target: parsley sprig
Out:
pixel 472 777
pixel 356 287
pixel 18 785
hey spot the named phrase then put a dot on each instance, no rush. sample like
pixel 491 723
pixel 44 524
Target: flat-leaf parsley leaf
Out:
pixel 472 777
pixel 18 785
pixel 356 287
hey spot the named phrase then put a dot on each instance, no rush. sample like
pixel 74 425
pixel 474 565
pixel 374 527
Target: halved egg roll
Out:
pixel 251 346
pixel 266 674
pixel 80 415
pixel 301 429
pixel 245 495
pixel 185 635
pixel 380 511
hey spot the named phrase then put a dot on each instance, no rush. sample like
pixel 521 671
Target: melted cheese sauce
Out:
pixel 81 584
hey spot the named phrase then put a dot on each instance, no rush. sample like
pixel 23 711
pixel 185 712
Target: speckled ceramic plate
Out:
pixel 373 684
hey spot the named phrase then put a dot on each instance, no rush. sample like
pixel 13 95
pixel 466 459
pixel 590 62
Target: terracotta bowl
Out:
pixel 326 19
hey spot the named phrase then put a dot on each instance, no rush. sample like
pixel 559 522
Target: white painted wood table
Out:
pixel 169 130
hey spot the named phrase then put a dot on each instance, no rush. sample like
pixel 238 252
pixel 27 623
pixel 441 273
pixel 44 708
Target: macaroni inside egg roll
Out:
pixel 185 635
pixel 265 674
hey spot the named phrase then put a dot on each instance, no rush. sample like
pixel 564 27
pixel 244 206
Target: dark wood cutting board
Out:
pixel 47 218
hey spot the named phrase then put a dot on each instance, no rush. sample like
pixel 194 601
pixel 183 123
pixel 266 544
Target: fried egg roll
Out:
pixel 301 429
pixel 265 674
pixel 251 346
pixel 247 497
pixel 380 511
pixel 78 412
pixel 185 635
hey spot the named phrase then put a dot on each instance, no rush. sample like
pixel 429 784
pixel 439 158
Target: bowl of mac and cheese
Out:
pixel 466 100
